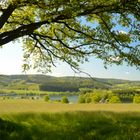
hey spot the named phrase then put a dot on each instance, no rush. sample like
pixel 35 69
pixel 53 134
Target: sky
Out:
pixel 11 63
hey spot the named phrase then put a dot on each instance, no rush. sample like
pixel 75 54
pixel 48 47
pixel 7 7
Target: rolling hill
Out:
pixel 50 83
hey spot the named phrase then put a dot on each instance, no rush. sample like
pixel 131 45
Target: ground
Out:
pixel 22 106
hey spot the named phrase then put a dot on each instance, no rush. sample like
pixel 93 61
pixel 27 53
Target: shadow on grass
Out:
pixel 71 126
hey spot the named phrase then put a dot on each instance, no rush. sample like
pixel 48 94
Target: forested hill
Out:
pixel 50 83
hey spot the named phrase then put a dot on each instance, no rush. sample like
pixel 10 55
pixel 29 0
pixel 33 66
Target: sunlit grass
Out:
pixel 98 125
pixel 20 105
pixel 39 120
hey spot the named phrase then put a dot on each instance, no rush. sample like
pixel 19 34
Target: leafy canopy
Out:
pixel 72 30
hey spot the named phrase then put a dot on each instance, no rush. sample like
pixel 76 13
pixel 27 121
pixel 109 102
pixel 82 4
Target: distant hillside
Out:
pixel 50 83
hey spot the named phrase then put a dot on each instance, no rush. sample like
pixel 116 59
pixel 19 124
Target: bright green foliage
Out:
pixel 114 99
pixel 96 98
pixel 81 99
pixel 88 100
pixel 64 99
pixel 136 99
pixel 72 30
pixel 46 98
pixel 101 96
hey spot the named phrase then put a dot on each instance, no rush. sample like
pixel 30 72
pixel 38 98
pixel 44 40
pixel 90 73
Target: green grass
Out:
pixel 24 106
pixel 70 126
pixel 40 120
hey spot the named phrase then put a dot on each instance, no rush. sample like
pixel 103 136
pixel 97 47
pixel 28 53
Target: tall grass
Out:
pixel 71 126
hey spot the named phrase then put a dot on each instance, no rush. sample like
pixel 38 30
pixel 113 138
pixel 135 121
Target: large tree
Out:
pixel 72 30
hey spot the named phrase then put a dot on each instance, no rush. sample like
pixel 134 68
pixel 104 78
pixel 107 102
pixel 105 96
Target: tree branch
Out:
pixel 19 32
pixel 6 14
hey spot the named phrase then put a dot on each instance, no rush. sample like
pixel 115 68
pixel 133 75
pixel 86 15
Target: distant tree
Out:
pixel 136 99
pixel 88 100
pixel 96 97
pixel 46 98
pixel 64 99
pixel 114 99
pixel 72 30
pixel 81 99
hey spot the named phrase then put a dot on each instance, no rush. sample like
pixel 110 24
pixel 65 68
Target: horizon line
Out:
pixel 71 76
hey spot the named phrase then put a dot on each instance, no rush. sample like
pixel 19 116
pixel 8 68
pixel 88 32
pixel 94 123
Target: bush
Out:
pixel 81 99
pixel 64 99
pixel 96 98
pixel 88 100
pixel 32 98
pixel 46 98
pixel 114 99
pixel 136 99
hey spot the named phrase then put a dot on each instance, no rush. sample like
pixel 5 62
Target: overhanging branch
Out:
pixel 6 14
pixel 19 32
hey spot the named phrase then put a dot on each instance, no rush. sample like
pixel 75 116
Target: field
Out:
pixel 40 106
pixel 39 120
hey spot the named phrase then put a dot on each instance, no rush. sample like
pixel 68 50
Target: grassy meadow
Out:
pixel 40 120
pixel 40 106
pixel 79 125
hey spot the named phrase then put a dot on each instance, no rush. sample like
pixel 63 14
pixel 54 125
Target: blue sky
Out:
pixel 11 63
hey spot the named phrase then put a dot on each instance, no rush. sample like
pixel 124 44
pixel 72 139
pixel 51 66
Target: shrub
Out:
pixel 64 99
pixel 96 98
pixel 46 98
pixel 114 99
pixel 88 100
pixel 136 99
pixel 32 98
pixel 81 99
